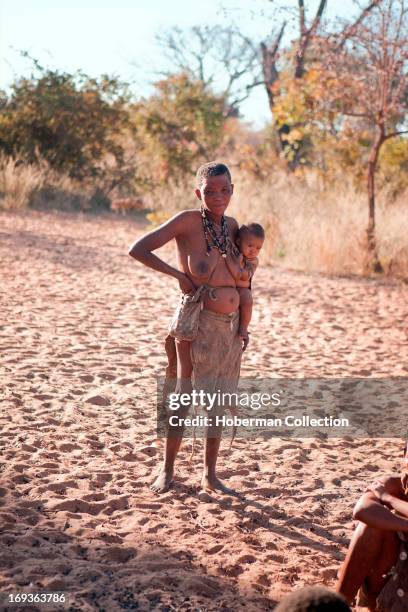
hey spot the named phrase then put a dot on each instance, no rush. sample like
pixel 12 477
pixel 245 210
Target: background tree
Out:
pixel 295 69
pixel 222 57
pixel 368 86
pixel 71 120
pixel 178 127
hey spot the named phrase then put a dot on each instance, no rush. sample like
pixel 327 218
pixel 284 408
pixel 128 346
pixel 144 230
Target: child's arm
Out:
pixel 254 263
pixel 245 279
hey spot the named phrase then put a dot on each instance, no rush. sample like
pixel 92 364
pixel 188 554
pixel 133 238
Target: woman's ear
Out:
pixel 198 193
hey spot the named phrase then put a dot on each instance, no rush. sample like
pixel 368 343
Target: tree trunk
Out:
pixel 373 263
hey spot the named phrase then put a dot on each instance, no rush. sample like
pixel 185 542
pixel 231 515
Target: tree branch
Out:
pixel 270 72
pixel 302 23
pixel 306 35
pixel 395 134
pixel 359 115
pixel 278 39
pixel 351 29
pixel 220 57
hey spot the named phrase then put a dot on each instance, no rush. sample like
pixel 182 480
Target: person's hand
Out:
pixel 244 335
pixel 378 488
pixel 245 342
pixel 186 284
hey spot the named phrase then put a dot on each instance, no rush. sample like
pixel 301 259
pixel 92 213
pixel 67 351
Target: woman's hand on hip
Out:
pixel 185 284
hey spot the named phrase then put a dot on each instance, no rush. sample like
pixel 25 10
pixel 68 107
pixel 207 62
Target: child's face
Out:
pixel 215 193
pixel 250 245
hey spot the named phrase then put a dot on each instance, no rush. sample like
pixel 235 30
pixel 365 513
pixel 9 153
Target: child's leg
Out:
pixel 175 434
pixel 245 312
pixel 184 365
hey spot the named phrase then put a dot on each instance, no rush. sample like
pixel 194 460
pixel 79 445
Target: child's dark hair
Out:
pixel 253 228
pixel 211 169
pixel 313 599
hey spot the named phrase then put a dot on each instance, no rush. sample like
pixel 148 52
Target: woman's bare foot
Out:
pixel 212 483
pixel 162 482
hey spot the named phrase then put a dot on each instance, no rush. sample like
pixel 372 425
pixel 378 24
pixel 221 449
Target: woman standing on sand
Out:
pixel 203 237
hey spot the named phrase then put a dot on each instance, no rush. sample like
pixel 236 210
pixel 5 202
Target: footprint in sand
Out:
pixel 101 478
pixel 150 451
pixel 284 447
pixel 87 378
pixel 247 559
pixel 214 549
pixel 58 486
pixel 233 570
pixel 98 400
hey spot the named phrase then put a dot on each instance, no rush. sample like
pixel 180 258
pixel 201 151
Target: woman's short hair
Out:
pixel 212 169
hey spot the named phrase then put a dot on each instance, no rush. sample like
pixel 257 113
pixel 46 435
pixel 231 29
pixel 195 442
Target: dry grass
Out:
pixel 172 196
pixel 18 183
pixel 392 235
pixel 309 226
pixel 24 185
pixel 312 228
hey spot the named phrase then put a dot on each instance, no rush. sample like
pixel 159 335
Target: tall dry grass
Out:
pixel 23 185
pixel 18 183
pixel 310 226
pixel 315 228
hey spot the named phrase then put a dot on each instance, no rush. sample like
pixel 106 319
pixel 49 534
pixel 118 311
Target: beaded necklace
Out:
pixel 213 241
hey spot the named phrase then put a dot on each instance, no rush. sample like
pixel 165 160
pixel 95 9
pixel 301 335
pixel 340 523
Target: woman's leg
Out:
pixel 371 554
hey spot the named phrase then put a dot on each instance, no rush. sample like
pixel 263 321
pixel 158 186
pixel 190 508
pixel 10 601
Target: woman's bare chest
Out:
pixel 202 257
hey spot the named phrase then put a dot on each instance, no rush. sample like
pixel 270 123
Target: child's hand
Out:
pixel 186 284
pixel 244 335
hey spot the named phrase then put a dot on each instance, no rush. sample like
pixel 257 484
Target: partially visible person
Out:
pixel 313 599
pixel 376 564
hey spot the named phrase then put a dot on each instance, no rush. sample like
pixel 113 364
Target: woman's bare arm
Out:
pixel 389 493
pixel 373 511
pixel 142 249
pixel 370 511
pixel 398 505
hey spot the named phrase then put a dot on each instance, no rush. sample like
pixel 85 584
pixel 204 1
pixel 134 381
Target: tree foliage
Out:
pixel 367 85
pixel 71 120
pixel 179 126
pixel 279 82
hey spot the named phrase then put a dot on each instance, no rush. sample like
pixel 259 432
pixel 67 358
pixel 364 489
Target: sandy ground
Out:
pixel 81 336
